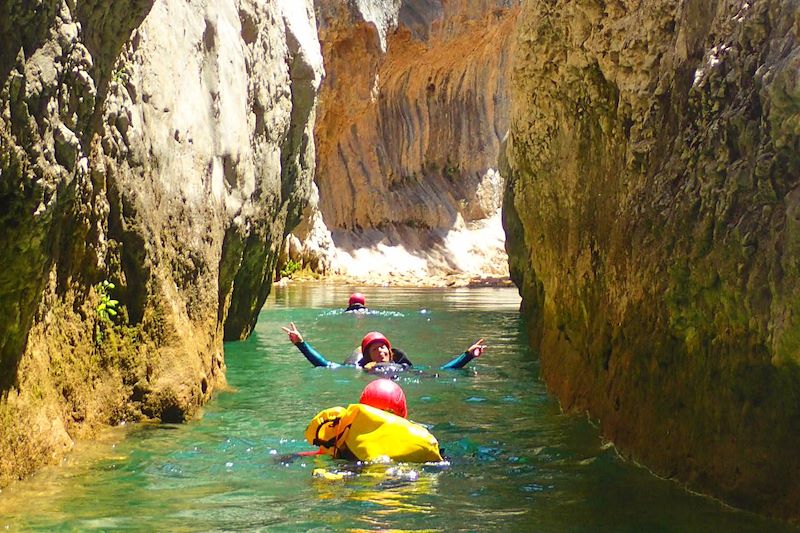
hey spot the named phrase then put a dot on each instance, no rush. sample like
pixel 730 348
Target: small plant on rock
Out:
pixel 451 171
pixel 121 75
pixel 106 309
pixel 290 268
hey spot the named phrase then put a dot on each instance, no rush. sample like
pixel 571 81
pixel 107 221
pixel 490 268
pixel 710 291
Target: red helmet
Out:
pixel 369 338
pixel 357 298
pixel 386 395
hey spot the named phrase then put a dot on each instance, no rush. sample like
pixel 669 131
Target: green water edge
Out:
pixel 516 463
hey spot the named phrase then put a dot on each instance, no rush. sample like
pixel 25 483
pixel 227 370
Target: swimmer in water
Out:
pixel 383 394
pixel 356 304
pixel 374 429
pixel 376 353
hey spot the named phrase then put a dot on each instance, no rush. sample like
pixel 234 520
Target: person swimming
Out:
pixel 356 303
pixel 376 353
pixel 376 427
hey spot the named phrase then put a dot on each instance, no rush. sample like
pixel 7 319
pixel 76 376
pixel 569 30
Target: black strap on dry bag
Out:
pixel 326 443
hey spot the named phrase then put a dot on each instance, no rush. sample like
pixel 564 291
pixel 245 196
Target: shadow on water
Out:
pixel 516 463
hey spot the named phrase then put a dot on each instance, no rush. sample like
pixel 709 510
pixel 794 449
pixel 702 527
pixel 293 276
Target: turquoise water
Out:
pixel 516 462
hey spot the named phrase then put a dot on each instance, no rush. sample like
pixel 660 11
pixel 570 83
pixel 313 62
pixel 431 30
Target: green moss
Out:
pixel 22 450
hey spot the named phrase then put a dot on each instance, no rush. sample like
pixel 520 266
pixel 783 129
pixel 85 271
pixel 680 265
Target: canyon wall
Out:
pixel 153 155
pixel 412 113
pixel 653 221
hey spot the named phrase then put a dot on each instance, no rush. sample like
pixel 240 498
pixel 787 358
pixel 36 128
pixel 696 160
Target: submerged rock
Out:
pixel 651 214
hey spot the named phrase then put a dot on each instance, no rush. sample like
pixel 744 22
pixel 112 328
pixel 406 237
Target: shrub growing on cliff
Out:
pixel 290 268
pixel 106 309
pixel 121 75
pixel 451 171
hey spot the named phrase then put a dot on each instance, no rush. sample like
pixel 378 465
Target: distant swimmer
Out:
pixel 356 304
pixel 376 353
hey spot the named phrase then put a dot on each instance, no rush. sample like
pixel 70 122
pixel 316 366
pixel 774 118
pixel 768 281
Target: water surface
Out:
pixel 516 462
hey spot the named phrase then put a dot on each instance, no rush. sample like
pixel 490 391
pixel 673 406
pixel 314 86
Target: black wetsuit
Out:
pixel 400 358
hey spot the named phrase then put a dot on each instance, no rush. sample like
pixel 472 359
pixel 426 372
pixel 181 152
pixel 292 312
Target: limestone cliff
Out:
pixel 653 220
pixel 163 147
pixel 412 113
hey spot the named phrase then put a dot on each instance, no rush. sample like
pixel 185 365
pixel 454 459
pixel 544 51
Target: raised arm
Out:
pixel 313 356
pixel 294 333
pixel 464 358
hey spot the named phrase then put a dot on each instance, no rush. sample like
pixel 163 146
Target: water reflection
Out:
pixel 334 297
pixel 383 494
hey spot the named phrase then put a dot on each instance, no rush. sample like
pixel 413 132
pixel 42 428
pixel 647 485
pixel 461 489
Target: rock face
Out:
pixel 653 221
pixel 164 147
pixel 412 113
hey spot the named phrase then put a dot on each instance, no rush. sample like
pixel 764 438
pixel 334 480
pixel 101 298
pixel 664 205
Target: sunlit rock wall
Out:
pixel 165 147
pixel 412 113
pixel 653 220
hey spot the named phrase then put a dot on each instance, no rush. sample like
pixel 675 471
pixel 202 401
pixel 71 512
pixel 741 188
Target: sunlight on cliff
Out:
pixel 468 251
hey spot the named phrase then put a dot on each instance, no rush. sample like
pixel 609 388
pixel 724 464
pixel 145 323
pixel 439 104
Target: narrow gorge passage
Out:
pixel 630 165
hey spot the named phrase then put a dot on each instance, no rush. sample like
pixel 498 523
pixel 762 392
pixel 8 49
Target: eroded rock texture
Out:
pixel 412 112
pixel 165 147
pixel 653 220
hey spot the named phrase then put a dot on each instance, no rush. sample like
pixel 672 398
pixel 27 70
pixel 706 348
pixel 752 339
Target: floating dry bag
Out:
pixel 365 433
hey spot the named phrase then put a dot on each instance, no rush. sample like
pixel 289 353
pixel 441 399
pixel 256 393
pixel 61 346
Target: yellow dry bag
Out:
pixel 365 433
